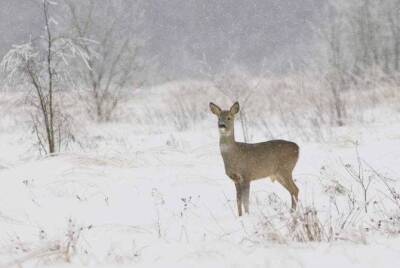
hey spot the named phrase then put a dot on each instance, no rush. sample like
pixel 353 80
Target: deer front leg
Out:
pixel 246 195
pixel 239 197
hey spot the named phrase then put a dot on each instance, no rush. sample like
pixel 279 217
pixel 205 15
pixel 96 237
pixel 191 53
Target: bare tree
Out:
pixel 41 66
pixel 114 64
pixel 333 36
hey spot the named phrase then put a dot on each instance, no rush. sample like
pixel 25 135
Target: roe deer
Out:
pixel 245 162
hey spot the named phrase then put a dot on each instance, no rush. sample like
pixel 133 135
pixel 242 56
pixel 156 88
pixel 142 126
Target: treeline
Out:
pixel 360 45
pixel 362 34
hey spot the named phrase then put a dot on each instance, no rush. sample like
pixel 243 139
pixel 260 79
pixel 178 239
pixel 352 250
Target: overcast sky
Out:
pixel 186 33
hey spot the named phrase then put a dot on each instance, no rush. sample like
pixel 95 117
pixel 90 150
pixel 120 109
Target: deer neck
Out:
pixel 227 142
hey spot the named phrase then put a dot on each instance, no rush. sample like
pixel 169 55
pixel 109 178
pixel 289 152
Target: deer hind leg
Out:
pixel 294 193
pixel 286 180
pixel 239 197
pixel 246 196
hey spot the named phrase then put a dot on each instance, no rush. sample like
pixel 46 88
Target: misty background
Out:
pixel 188 37
pixel 327 63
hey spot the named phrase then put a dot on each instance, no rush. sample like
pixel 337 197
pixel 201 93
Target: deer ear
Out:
pixel 235 108
pixel 215 109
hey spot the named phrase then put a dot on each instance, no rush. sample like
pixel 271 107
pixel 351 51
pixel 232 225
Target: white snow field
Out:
pixel 148 191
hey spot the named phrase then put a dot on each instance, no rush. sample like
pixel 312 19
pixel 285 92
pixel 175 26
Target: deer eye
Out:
pixel 229 118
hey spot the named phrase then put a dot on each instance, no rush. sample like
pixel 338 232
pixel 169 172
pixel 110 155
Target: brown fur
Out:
pixel 245 162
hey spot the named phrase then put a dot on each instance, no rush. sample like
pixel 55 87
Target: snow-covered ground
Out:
pixel 156 196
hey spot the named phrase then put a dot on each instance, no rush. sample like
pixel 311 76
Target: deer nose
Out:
pixel 221 125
